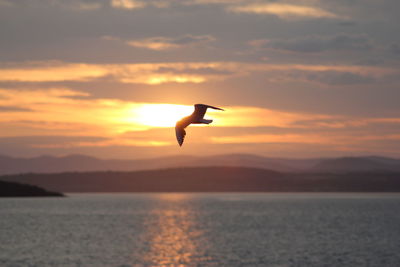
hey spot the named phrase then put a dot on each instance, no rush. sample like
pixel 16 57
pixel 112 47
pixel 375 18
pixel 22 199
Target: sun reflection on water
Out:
pixel 174 238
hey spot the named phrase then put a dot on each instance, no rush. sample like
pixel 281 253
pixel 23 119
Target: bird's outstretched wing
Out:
pixel 200 110
pixel 180 134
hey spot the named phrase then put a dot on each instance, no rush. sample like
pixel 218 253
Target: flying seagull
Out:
pixel 197 117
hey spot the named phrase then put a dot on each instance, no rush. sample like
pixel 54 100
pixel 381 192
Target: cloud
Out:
pixel 335 141
pixel 13 109
pixel 270 138
pixel 44 140
pixel 105 143
pixel 78 5
pixel 135 4
pixel 127 4
pixel 201 70
pixel 151 73
pixel 188 72
pixel 395 49
pixel 52 71
pixel 370 61
pixel 75 122
pixel 283 10
pixel 58 110
pixel 6 3
pixel 87 6
pixel 218 2
pixel 316 44
pixel 327 77
pixel 339 78
pixel 192 39
pixel 165 43
pixel 311 66
pixel 256 117
pixel 155 43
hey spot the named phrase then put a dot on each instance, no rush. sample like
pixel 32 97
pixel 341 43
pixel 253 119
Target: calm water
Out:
pixel 201 230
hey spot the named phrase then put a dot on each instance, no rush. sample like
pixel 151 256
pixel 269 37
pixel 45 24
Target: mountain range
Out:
pixel 82 163
pixel 211 179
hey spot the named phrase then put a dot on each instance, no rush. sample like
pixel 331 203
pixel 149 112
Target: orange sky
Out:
pixel 110 78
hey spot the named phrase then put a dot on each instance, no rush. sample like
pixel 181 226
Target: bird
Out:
pixel 197 117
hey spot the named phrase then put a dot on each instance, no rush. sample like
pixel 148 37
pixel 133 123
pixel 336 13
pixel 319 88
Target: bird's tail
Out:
pixel 207 121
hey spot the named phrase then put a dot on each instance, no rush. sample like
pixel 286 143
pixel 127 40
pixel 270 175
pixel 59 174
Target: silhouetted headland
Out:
pixel 13 189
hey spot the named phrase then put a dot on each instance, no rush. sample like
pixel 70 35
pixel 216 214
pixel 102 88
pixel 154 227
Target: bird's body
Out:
pixel 197 117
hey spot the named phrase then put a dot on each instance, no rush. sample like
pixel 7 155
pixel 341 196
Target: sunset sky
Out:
pixel 109 78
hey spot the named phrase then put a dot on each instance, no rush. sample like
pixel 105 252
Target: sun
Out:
pixel 160 115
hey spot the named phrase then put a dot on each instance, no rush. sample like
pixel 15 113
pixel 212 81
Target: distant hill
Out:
pixel 357 164
pixel 81 163
pixel 213 179
pixel 13 189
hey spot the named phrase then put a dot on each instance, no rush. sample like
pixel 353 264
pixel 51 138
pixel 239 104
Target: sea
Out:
pixel 202 229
